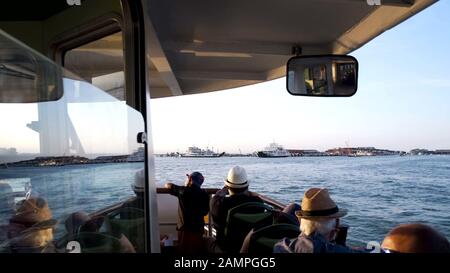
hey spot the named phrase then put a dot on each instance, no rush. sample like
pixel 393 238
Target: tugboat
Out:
pixel 274 150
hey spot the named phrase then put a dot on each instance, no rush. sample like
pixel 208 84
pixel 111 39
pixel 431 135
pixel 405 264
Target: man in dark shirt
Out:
pixel 236 184
pixel 193 206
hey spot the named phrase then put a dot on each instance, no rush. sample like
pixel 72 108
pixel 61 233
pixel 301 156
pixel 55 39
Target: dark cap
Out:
pixel 196 178
pixel 80 221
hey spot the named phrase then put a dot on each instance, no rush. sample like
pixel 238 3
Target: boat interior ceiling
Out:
pixel 216 45
pixel 203 46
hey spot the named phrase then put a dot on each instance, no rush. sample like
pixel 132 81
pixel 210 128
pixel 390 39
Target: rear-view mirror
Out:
pixel 322 76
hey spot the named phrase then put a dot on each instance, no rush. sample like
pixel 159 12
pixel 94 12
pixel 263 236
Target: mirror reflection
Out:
pixel 322 76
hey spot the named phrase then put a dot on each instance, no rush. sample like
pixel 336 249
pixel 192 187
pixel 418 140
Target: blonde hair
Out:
pixel 38 238
pixel 323 226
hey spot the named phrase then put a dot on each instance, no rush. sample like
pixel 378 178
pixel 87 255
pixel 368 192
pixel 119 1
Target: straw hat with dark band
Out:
pixel 236 178
pixel 317 203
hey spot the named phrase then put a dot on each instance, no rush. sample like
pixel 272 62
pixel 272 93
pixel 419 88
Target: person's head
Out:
pixel 195 178
pixel 80 221
pixel 319 213
pixel 139 183
pixel 32 211
pixel 32 224
pixel 415 238
pixel 236 180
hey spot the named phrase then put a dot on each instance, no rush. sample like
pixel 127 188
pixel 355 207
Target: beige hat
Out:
pixel 317 203
pixel 34 213
pixel 237 178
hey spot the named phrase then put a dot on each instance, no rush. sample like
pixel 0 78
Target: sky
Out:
pixel 402 103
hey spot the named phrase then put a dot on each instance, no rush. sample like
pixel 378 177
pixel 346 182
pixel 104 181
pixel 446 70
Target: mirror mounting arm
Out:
pixel 297 50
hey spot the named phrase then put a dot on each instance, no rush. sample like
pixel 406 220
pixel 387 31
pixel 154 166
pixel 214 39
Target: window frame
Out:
pixel 132 25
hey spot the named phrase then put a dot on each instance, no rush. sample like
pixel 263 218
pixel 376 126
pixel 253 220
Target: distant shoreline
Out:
pixel 58 161
pixel 29 160
pixel 43 162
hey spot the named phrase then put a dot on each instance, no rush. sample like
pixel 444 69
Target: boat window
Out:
pixel 100 63
pixel 26 76
pixel 71 170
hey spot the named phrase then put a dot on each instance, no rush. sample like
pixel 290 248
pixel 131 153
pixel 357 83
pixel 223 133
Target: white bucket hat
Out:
pixel 139 180
pixel 237 178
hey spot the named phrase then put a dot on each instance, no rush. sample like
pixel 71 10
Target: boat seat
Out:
pixel 129 222
pixel 262 240
pixel 241 219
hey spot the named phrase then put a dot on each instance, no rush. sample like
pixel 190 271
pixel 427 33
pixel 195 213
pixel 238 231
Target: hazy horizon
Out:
pixel 89 155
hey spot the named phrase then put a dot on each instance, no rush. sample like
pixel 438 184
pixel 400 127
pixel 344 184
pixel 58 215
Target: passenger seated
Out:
pixel 415 238
pixel 319 221
pixel 80 222
pixel 31 227
pixel 193 206
pixel 138 188
pixel 236 185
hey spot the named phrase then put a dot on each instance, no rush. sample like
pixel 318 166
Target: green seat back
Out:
pixel 263 240
pixel 129 222
pixel 241 219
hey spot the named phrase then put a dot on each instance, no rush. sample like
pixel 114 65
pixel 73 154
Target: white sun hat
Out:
pixel 237 178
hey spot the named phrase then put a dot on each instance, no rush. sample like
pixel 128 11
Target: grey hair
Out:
pixel 323 227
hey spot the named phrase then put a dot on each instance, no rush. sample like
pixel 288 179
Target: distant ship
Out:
pixel 197 152
pixel 138 156
pixel 273 150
